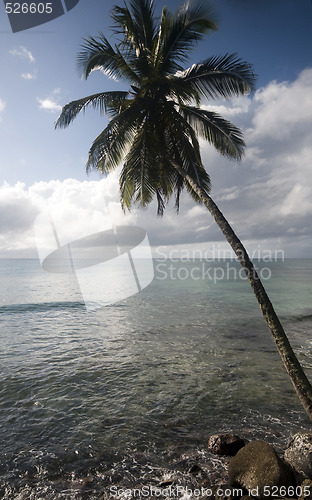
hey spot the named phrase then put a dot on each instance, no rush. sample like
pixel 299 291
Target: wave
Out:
pixel 39 307
pixel 301 317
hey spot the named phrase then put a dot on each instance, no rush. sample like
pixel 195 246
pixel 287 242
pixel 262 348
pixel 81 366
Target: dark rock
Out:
pixel 299 455
pixel 194 469
pixel 258 469
pixel 225 444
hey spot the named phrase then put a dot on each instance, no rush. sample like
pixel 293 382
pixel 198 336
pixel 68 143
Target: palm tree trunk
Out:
pixel 291 363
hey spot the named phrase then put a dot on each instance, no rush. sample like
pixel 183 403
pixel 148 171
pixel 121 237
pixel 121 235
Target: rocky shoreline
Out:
pixel 236 469
pixel 229 467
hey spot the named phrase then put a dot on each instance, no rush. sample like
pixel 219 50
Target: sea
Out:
pixel 94 403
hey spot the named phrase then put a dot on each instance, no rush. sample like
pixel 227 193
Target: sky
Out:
pixel 267 197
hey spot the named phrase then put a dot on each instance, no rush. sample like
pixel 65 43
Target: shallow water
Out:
pixel 131 392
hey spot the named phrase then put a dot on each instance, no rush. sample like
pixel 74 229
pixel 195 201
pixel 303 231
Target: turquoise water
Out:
pixel 116 394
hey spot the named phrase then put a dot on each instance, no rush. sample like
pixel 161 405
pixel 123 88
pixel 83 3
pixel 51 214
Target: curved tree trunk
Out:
pixel 291 363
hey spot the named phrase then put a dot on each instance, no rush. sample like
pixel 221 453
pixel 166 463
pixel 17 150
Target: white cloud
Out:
pixel 268 196
pixel 283 107
pixel 23 53
pixel 2 106
pixel 28 76
pixel 79 209
pixel 230 108
pixel 16 224
pixel 49 104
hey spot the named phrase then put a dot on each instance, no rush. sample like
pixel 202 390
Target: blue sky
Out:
pixel 266 197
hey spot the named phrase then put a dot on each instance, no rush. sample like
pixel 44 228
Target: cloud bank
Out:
pixel 267 197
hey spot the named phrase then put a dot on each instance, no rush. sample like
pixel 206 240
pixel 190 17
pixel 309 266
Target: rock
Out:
pixel 259 470
pixel 165 483
pixel 194 469
pixel 225 444
pixel 306 490
pixel 299 455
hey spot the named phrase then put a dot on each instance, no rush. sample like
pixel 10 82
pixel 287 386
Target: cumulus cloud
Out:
pixel 269 194
pixel 23 53
pixel 77 209
pixel 17 222
pixel 49 104
pixel 283 110
pixel 267 198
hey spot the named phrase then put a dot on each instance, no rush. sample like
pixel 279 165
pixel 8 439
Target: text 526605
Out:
pixel 28 8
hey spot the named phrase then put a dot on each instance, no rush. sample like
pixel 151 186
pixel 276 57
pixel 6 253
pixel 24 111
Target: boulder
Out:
pixel 258 469
pixel 298 455
pixel 225 444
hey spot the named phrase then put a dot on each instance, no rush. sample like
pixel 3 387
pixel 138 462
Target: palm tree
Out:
pixel 155 126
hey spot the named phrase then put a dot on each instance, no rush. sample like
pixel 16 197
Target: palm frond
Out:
pixel 143 13
pixel 182 150
pixel 110 147
pixel 164 27
pixel 223 76
pixel 97 53
pixel 145 173
pixel 181 91
pixel 221 133
pixel 181 31
pixel 137 27
pixel 124 25
pixel 104 101
pixel 148 172
pixel 136 180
